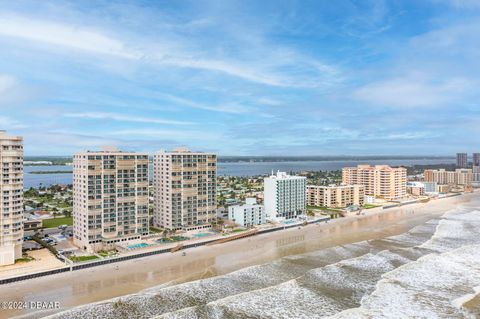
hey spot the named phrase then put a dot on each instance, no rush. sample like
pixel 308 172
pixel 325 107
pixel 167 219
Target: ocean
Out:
pixel 430 271
pixel 232 169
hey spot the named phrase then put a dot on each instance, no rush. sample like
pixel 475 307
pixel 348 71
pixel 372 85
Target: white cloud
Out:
pixel 6 83
pixel 166 133
pixel 224 108
pixel 7 123
pixel 413 90
pixel 465 4
pixel 231 68
pixel 69 36
pixel 124 118
pixel 142 49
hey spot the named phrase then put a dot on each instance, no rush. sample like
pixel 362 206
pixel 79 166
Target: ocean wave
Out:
pixel 425 288
pixel 456 229
pixel 320 292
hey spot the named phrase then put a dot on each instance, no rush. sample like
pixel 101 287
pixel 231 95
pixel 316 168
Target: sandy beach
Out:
pixel 43 261
pixel 104 282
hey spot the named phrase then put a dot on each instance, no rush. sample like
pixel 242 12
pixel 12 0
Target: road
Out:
pixel 49 231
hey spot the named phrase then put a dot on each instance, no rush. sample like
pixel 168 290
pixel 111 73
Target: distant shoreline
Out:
pixel 51 172
pixel 63 160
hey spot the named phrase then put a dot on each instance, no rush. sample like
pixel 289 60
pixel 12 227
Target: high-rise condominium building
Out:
pixel 461 176
pixel 380 181
pixel 185 189
pixel 462 160
pixel 110 198
pixel 335 196
pixel 285 196
pixel 11 198
pixel 476 159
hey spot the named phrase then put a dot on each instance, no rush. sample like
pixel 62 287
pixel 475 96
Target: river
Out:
pixel 233 169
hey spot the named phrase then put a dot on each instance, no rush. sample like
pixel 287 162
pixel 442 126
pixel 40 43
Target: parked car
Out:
pixel 50 241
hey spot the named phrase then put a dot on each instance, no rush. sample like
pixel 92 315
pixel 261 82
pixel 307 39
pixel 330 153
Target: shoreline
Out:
pixel 118 279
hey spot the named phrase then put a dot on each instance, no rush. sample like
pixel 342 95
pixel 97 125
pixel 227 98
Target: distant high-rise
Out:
pixel 285 196
pixel 11 199
pixel 462 160
pixel 110 198
pixel 380 180
pixel 185 189
pixel 476 159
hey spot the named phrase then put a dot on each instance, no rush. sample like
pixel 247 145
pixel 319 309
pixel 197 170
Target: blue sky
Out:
pixel 242 77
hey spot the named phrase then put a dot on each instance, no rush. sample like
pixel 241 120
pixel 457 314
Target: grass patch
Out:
pixel 172 239
pixel 24 260
pixel 327 209
pixel 155 230
pixel 368 206
pixel 82 258
pixel 107 253
pixel 237 230
pixel 55 222
pixel 179 238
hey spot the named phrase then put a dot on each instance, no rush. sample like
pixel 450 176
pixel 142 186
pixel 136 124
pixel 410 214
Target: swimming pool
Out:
pixel 199 235
pixel 140 245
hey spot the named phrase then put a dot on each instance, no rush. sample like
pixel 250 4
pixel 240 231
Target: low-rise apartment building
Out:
pixel 416 188
pixel 249 214
pixel 335 196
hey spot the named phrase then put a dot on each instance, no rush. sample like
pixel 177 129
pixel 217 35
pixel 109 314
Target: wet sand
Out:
pixel 108 281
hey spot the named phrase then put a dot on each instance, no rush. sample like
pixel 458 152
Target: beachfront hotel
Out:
pixel 11 200
pixel 459 177
pixel 381 181
pixel 285 196
pixel 249 214
pixel 185 189
pixel 335 196
pixel 110 198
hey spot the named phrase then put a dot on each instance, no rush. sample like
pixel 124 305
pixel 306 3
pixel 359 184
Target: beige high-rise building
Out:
pixel 460 176
pixel 11 199
pixel 380 181
pixel 335 196
pixel 110 198
pixel 185 189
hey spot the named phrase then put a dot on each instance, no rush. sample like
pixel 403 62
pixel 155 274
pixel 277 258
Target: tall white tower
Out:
pixel 11 198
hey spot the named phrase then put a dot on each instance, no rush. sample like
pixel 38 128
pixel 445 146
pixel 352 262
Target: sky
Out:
pixel 242 77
